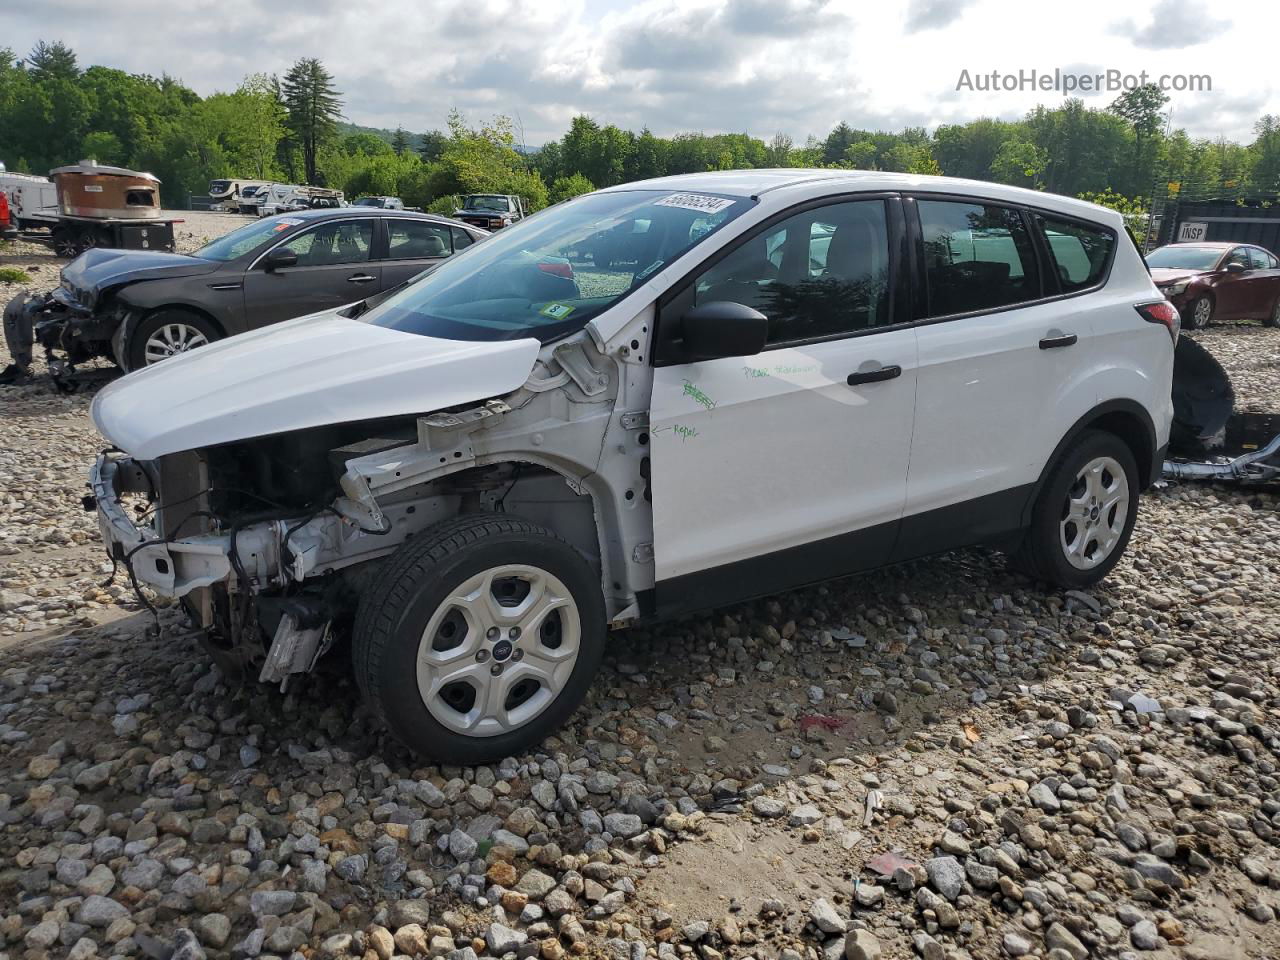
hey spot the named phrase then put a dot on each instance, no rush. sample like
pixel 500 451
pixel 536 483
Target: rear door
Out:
pixel 413 246
pixel 996 364
pixel 789 466
pixel 335 267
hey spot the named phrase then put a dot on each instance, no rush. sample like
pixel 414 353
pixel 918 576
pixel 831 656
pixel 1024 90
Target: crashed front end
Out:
pixel 68 326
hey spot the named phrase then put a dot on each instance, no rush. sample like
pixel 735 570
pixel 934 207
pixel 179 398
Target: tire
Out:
pixel 66 244
pixel 407 682
pixel 1273 318
pixel 1046 552
pixel 1200 313
pixel 175 330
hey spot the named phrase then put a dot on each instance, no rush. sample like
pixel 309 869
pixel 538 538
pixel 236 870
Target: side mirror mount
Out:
pixel 279 258
pixel 1235 267
pixel 723 328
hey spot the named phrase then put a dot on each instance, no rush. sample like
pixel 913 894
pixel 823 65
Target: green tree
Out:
pixel 400 141
pixel 567 187
pixel 1019 163
pixel 313 107
pixel 1265 176
pixel 432 146
pixel 103 147
pixel 1143 107
pixel 48 61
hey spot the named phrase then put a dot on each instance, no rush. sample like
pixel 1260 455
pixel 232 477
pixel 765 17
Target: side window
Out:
pixel 348 241
pixel 977 257
pixel 1259 259
pixel 1079 253
pixel 819 273
pixel 1239 255
pixel 417 239
pixel 461 239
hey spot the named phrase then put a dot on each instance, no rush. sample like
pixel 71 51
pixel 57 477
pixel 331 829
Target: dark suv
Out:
pixel 140 307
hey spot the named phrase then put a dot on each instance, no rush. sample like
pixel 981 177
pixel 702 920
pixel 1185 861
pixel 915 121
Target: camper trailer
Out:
pixel 235 196
pixel 33 201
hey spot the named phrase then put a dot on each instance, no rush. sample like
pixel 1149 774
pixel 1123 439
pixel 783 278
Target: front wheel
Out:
pixel 1082 520
pixel 1200 314
pixel 165 334
pixel 1273 318
pixel 480 637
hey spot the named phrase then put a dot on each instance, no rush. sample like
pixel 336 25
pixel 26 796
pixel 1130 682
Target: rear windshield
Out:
pixel 551 273
pixel 1178 257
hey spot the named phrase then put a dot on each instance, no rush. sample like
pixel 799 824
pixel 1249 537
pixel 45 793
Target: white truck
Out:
pixel 289 197
pixel 33 201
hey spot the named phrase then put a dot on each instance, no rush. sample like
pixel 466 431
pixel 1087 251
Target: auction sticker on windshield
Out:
pixel 556 311
pixel 285 224
pixel 694 201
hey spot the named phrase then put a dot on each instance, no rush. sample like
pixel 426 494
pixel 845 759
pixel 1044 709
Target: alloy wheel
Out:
pixel 1094 514
pixel 1202 313
pixel 172 339
pixel 498 650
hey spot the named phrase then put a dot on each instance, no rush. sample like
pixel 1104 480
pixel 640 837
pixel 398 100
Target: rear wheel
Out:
pixel 1201 313
pixel 1084 516
pixel 166 334
pixel 479 638
pixel 66 243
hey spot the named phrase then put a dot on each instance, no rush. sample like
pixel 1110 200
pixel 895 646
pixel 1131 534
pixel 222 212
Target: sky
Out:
pixel 757 66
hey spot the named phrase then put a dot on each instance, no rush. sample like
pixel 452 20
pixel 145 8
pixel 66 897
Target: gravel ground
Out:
pixel 937 760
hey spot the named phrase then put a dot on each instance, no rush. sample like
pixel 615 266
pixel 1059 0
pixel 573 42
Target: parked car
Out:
pixel 490 468
pixel 1218 281
pixel 380 203
pixel 490 211
pixel 140 307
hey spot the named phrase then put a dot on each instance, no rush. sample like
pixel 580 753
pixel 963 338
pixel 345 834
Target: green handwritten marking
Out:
pixel 691 390
pixel 684 432
pixel 753 372
pixel 785 370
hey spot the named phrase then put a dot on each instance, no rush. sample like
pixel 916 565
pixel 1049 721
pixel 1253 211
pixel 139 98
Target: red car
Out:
pixel 1218 281
pixel 7 230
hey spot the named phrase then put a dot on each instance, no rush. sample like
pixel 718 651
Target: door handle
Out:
pixel 1061 340
pixel 361 278
pixel 874 376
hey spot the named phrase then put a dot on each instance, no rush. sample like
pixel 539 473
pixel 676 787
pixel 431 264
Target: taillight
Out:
pixel 1161 311
pixel 557 269
pixel 4 208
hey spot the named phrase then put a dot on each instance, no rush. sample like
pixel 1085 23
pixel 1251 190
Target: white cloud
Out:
pixel 759 66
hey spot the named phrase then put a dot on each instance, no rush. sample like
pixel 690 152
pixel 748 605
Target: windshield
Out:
pixel 246 240
pixel 1184 258
pixel 369 202
pixel 551 273
pixel 501 204
pixel 219 186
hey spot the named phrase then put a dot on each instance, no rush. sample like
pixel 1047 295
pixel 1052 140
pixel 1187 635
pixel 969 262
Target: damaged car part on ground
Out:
pixel 480 475
pixel 136 308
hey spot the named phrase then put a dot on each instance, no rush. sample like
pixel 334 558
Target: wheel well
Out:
pixel 187 308
pixel 1136 436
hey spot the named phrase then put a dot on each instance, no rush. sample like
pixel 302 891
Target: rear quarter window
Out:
pixel 1080 254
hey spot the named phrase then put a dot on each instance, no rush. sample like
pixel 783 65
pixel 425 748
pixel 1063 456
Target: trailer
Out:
pixel 93 206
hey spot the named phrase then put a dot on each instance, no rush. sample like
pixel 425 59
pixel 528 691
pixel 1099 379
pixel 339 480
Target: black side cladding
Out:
pixel 1202 401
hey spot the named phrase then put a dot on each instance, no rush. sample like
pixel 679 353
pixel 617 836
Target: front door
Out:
pixel 334 268
pixel 790 466
pixel 1232 289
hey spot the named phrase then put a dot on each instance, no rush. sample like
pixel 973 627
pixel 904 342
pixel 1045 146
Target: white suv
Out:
pixel 781 376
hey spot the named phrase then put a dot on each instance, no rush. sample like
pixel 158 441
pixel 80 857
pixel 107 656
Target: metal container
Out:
pixel 86 189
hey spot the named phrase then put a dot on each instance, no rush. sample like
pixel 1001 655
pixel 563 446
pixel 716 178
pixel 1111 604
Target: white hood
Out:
pixel 307 372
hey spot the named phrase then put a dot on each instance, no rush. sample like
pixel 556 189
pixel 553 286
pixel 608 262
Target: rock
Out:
pixel 535 884
pixel 97 911
pixel 1058 937
pixel 825 917
pixel 1015 944
pixel 804 815
pixel 769 808
pixel 381 942
pixel 1144 935
pixel 462 846
pixel 402 913
pixel 502 940
pixel 411 939
pixel 272 903
pixel 213 929
pixel 623 825
pixel 946 875
pixel 861 945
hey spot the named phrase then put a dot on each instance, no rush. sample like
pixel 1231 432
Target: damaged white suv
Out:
pixel 772 378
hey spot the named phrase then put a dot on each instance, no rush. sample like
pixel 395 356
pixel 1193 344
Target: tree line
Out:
pixel 291 129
